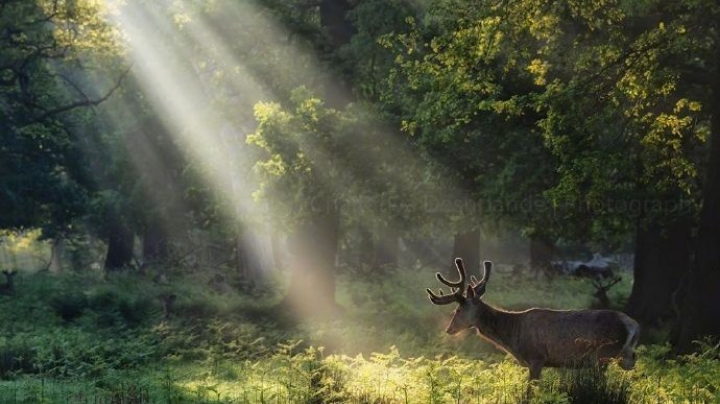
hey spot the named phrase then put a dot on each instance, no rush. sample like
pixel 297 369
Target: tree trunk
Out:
pixel 312 267
pixel 155 245
pixel 314 246
pixel 366 249
pixel 699 313
pixel 467 246
pixel 424 251
pixel 57 255
pixel 246 262
pixel 386 250
pixel 120 248
pixel 334 19
pixel 662 258
pixel 542 252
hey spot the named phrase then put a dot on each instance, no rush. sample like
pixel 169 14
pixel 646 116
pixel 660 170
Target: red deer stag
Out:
pixel 540 337
pixel 603 301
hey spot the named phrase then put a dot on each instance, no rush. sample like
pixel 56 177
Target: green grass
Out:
pixel 89 339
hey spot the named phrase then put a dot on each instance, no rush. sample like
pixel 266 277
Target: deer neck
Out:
pixel 497 326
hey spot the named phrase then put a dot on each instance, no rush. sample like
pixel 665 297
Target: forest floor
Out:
pixel 88 338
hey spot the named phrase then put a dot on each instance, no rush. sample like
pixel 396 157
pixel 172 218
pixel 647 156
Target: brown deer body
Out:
pixel 540 338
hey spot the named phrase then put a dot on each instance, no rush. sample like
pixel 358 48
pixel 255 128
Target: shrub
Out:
pixel 69 306
pixel 119 309
pixel 593 386
pixel 135 311
pixel 16 356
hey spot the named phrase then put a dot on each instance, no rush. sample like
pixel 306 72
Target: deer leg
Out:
pixel 627 354
pixel 535 370
pixel 627 359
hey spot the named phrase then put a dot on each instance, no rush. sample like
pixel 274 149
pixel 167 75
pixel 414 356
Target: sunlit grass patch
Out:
pixel 308 377
pixel 687 379
pixel 295 374
pixel 292 373
pixel 592 385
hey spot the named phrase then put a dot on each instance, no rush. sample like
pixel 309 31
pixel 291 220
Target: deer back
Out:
pixel 571 338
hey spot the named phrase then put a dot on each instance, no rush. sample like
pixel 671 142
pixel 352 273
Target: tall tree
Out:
pixel 580 119
pixel 699 316
pixel 42 166
pixel 464 94
pixel 302 181
pixel 644 170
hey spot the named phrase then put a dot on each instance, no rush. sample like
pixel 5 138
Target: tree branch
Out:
pixel 82 103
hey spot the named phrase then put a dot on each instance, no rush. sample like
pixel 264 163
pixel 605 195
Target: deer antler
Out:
pixel 463 277
pixel 598 285
pixel 455 287
pixel 479 286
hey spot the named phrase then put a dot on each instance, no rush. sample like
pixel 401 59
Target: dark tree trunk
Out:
pixel 312 266
pixel 426 252
pixel 700 309
pixel 155 245
pixel 467 246
pixel 380 251
pixel 243 262
pixel 57 255
pixel 120 243
pixel 314 247
pixel 366 249
pixel 334 18
pixel 542 252
pixel 386 250
pixel 662 258
pixel 246 261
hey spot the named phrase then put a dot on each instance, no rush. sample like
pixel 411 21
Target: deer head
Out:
pixel 601 292
pixel 467 296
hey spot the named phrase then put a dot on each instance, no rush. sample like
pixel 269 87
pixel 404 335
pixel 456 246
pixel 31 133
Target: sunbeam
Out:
pixel 305 200
pixel 194 80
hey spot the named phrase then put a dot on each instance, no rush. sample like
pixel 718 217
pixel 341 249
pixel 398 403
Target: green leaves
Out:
pixel 40 175
pixel 601 101
pixel 303 147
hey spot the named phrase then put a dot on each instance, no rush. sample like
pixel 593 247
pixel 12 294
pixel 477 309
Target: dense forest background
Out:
pixel 194 192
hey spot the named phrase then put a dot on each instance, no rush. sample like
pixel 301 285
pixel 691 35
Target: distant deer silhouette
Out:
pixel 540 338
pixel 167 299
pixel 8 288
pixel 603 302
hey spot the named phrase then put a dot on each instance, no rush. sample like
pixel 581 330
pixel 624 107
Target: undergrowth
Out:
pixel 92 339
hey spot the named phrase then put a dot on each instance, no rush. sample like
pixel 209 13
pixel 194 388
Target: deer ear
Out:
pixel 470 294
